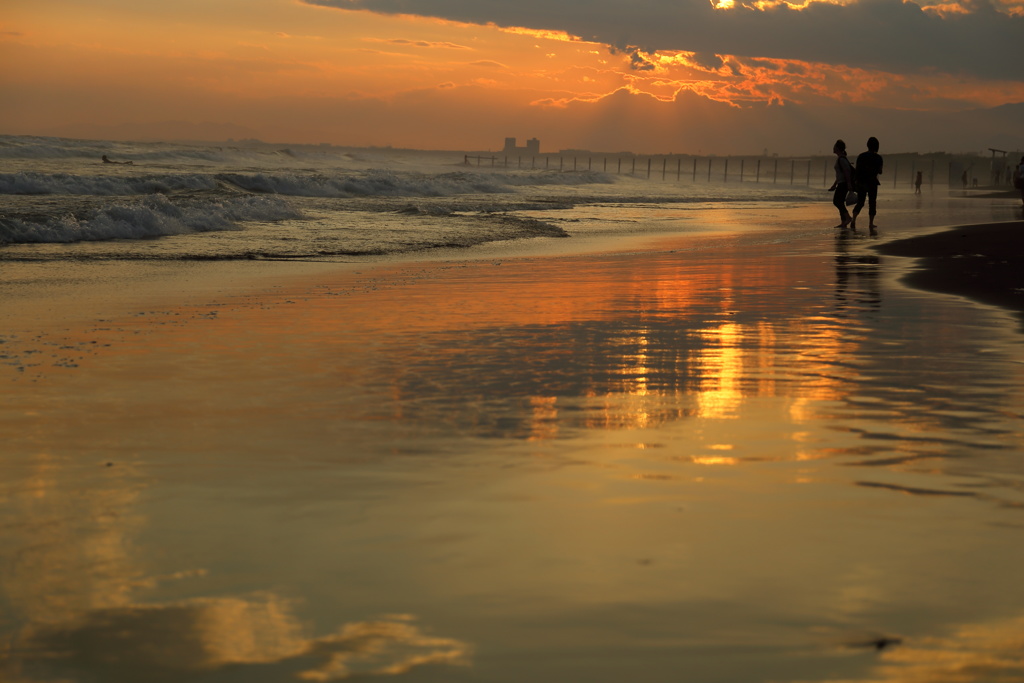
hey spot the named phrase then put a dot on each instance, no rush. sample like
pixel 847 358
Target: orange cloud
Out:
pixel 418 43
pixel 561 36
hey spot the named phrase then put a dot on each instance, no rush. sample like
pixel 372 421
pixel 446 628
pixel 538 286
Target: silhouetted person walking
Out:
pixel 843 183
pixel 869 167
pixel 917 183
pixel 1018 179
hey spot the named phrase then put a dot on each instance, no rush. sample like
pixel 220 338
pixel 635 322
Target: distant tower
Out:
pixel 532 146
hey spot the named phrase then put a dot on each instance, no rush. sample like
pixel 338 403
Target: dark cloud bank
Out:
pixel 890 35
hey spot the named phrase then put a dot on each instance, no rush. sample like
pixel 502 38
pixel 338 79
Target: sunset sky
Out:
pixel 643 75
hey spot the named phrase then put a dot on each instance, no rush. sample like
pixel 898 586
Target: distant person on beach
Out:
pixel 869 167
pixel 963 178
pixel 917 183
pixel 843 183
pixel 1018 179
pixel 108 161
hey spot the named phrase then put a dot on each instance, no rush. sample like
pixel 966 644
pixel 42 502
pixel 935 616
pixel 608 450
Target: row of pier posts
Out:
pixel 767 169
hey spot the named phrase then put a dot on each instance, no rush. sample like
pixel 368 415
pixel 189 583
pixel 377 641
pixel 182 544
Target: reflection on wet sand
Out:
pixel 989 651
pixel 617 457
pixel 70 584
pixel 668 343
pixel 857 273
pixel 170 642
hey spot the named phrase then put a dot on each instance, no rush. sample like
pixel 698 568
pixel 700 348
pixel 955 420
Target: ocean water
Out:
pixel 732 448
pixel 220 202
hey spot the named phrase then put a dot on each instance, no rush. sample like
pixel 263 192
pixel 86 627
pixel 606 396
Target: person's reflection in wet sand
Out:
pixel 856 277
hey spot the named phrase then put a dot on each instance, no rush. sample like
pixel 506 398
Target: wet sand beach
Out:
pixel 984 262
pixel 743 456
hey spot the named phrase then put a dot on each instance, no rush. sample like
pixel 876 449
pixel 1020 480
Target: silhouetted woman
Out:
pixel 843 183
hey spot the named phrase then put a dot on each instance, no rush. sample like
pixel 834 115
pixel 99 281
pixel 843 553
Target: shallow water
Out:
pixel 749 456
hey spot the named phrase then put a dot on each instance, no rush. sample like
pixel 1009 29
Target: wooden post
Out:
pixel 709 169
pixel 695 169
pixel 792 170
pixel 725 176
pixel 620 166
pixel 664 165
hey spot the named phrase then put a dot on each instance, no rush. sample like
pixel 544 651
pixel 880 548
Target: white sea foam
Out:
pixel 154 216
pixel 387 183
pixel 253 200
pixel 383 183
pixel 104 185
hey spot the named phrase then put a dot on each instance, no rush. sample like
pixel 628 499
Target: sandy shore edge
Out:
pixel 983 262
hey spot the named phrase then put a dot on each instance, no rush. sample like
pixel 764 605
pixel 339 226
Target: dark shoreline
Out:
pixel 983 262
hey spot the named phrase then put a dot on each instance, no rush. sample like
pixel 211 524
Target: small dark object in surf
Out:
pixel 878 643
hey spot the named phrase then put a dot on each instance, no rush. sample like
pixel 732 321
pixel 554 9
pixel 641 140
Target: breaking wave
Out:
pixel 153 216
pixel 379 183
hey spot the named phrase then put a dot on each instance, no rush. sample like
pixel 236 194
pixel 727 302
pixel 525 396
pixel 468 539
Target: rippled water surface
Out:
pixel 748 457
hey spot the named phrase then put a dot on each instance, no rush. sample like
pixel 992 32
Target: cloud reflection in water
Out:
pixel 258 632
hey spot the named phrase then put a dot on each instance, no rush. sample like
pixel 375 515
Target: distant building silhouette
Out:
pixel 532 146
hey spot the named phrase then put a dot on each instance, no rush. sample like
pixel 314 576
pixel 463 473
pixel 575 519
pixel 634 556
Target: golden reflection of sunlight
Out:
pixel 74 580
pixel 721 367
pixel 799 410
pixel 207 634
pixel 714 460
pixel 72 541
pixel 635 368
pixel 544 420
pixel 810 455
pixel 975 652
